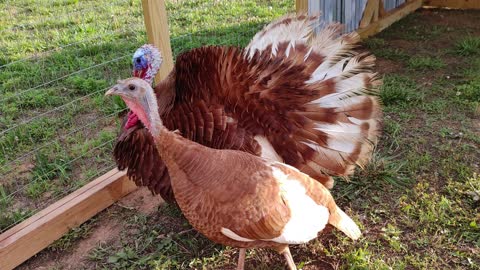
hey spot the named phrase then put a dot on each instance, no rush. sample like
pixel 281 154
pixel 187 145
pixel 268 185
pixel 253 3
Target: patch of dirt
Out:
pixel 459 19
pixel 103 233
pixel 388 66
pixel 433 33
pixel 141 201
pixel 106 230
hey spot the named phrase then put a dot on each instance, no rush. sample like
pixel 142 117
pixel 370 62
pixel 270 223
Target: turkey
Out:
pixel 306 101
pixel 235 198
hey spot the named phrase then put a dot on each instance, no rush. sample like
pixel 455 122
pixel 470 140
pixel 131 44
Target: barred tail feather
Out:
pixel 344 118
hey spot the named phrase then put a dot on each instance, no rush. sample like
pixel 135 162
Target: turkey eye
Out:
pixel 131 87
pixel 138 60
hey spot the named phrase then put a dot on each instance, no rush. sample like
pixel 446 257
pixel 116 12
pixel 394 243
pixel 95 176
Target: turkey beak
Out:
pixel 112 91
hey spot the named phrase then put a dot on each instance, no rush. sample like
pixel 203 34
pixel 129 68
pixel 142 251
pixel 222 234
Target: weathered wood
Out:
pixel 156 23
pixel 389 18
pixel 301 6
pixel 37 232
pixel 371 8
pixel 376 11
pixel 381 10
pixel 456 4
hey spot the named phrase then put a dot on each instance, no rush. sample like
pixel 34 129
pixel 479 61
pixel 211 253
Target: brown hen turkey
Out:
pixel 308 101
pixel 235 198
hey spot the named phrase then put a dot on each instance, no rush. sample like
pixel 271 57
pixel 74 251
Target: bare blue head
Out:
pixel 146 62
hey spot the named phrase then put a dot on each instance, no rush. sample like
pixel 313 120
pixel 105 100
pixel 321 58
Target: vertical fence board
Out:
pixel 348 12
pixel 301 6
pixel 368 16
pixel 156 23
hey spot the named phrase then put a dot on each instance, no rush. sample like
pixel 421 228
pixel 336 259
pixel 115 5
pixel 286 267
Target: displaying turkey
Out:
pixel 235 198
pixel 289 97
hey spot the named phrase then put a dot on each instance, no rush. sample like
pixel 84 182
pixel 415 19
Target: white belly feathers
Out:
pixel 307 217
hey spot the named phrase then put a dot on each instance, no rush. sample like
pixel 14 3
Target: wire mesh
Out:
pixel 57 59
pixel 56 129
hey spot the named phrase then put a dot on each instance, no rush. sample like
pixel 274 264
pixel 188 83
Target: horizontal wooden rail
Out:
pixel 374 24
pixel 455 4
pixel 37 232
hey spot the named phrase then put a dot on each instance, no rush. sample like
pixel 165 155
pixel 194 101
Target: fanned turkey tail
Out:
pixel 329 91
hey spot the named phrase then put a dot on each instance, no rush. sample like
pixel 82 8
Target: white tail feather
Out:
pixel 345 224
pixel 275 33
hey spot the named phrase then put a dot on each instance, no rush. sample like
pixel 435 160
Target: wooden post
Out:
pixel 370 12
pixel 37 232
pixel 301 6
pixel 156 23
pixel 456 4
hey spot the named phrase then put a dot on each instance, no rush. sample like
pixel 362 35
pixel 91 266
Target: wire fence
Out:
pixel 58 57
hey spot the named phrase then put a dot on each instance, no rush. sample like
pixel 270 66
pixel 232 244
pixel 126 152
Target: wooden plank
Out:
pixel 301 6
pixel 37 232
pixel 390 17
pixel 156 23
pixel 456 4
pixel 381 10
pixel 370 9
pixel 376 11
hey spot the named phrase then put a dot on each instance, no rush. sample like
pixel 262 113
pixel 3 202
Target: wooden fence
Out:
pixel 37 232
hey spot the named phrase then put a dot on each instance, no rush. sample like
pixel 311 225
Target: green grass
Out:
pixel 379 46
pixel 425 63
pixel 417 200
pixel 410 29
pixel 468 46
pixel 400 90
pixel 71 237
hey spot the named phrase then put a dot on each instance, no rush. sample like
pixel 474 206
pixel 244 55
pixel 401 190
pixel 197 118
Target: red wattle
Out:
pixel 140 73
pixel 132 120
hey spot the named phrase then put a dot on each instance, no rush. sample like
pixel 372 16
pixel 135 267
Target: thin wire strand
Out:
pixel 9 196
pixel 74 187
pixel 56 19
pixel 56 80
pixel 7 172
pixel 60 48
pixel 50 111
pixel 40 207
